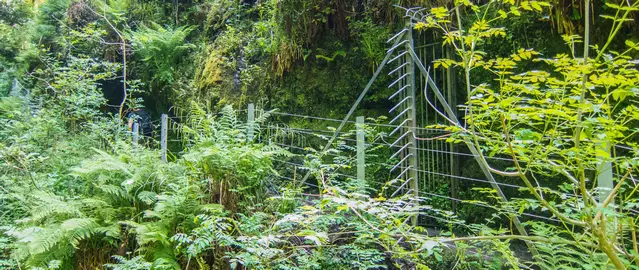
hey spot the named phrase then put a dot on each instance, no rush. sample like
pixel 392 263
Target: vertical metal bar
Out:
pixel 452 100
pixel 250 122
pixel 438 159
pixel 423 160
pixel 404 106
pixel 442 146
pixel 164 130
pixel 442 159
pixel 361 159
pixel 435 80
pixel 136 133
pixel 413 123
pixel 431 144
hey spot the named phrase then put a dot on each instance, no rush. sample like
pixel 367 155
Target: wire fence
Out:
pixel 308 140
pixel 345 148
pixel 435 168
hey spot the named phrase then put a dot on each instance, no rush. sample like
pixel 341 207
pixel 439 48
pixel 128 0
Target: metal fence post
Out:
pixel 136 133
pixel 414 186
pixel 604 171
pixel 164 129
pixel 250 123
pixel 361 159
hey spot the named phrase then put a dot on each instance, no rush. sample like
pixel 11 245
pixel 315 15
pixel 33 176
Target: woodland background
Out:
pixel 74 193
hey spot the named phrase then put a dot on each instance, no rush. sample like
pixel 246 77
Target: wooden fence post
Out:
pixel 361 159
pixel 164 129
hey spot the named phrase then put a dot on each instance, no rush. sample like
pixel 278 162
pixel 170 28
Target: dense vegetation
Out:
pixel 553 92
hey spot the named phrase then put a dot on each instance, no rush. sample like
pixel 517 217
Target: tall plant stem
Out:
pixel 529 185
pixel 616 27
pixel 582 101
pixel 608 247
pixel 467 58
pixel 600 231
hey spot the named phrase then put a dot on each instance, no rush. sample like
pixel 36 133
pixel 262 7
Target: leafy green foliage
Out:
pixel 75 86
pixel 564 121
pixel 50 18
pixel 74 194
pixel 16 29
pixel 161 49
pixel 135 263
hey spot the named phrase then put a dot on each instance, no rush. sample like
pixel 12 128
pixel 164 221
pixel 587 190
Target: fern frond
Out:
pixel 60 252
pixel 116 192
pixel 48 205
pixel 164 257
pixel 78 229
pixel 42 240
pixel 261 119
pixel 137 263
pixel 274 150
pixel 228 121
pixel 112 230
pixel 147 197
pixel 152 232
pixel 101 162
pixel 202 263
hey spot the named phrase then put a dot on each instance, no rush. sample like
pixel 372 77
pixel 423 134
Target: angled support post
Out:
pixel 359 99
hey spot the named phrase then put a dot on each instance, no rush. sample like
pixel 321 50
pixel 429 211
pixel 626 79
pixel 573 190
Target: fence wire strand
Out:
pixel 346 138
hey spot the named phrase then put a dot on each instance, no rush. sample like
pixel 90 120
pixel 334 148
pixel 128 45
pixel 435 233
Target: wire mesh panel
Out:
pixel 437 162
pixel 307 139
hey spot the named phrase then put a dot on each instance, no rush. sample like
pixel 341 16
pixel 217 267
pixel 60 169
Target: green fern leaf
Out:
pixel 78 229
